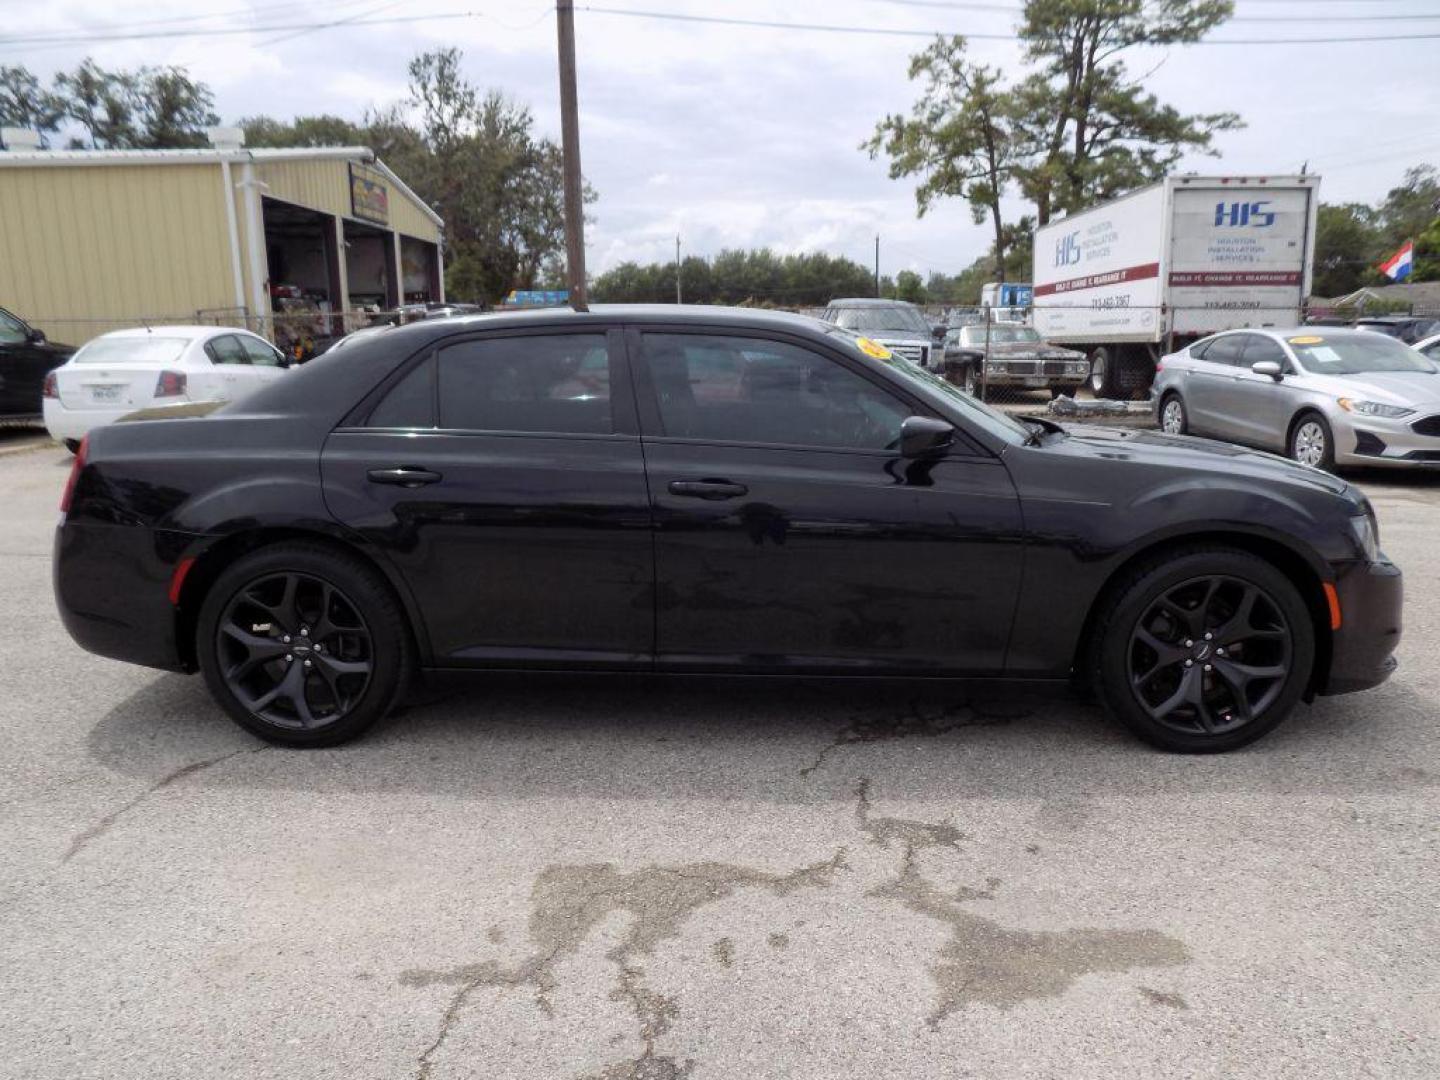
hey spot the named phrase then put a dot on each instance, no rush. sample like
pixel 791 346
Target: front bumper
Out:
pixel 1362 649
pixel 1373 440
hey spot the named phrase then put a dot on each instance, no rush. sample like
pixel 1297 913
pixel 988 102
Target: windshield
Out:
pixel 997 423
pixel 132 350
pixel 873 320
pixel 1356 355
pixel 1000 334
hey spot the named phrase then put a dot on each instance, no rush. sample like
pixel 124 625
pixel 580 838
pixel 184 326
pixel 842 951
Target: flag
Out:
pixel 1398 266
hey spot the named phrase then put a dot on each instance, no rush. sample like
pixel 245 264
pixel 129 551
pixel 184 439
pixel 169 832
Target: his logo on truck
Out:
pixel 1239 214
pixel 1067 249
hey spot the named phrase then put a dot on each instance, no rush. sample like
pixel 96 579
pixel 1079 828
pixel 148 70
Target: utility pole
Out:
pixel 877 265
pixel 570 150
pixel 677 270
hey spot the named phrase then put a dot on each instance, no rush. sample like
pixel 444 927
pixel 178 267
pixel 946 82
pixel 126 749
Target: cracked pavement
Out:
pixel 594 879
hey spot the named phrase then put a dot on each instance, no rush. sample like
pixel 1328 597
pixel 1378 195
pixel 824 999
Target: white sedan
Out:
pixel 1430 346
pixel 119 373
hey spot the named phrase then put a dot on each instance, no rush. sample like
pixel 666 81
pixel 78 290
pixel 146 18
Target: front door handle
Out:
pixel 406 476
pixel 707 489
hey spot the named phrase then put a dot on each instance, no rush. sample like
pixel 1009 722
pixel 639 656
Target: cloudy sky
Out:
pixel 748 136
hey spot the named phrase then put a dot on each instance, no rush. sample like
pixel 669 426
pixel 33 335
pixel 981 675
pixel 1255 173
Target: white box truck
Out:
pixel 1147 273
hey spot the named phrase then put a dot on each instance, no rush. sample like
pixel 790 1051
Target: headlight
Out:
pixel 995 367
pixel 1079 368
pixel 1373 408
pixel 1367 535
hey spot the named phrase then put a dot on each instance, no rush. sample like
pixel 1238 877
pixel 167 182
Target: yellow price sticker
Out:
pixel 1309 340
pixel 873 348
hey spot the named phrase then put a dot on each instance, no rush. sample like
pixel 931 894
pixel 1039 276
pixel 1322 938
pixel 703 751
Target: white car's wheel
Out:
pixel 1173 420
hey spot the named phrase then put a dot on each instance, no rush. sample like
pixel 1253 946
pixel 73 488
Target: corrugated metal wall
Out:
pixel 86 249
pixel 325 185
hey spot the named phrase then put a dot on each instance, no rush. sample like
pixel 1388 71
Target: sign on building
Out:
pixel 369 196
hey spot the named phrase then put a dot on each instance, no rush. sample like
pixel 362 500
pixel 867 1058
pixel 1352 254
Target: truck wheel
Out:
pixel 1103 371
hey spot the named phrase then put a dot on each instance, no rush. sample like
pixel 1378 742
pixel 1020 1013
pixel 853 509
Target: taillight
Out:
pixel 170 384
pixel 52 387
pixel 1159 366
pixel 76 467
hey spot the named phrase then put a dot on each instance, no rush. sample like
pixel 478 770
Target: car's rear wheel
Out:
pixel 1173 420
pixel 1203 649
pixel 1312 443
pixel 303 644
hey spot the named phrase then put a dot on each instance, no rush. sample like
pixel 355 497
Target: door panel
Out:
pixel 1208 388
pixel 521 548
pixel 817 559
pixel 1259 404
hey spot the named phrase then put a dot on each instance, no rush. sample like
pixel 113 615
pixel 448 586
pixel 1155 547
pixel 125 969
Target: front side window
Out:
pixel 556 383
pixel 226 349
pixel 260 353
pixel 1258 348
pixel 1226 350
pixel 751 390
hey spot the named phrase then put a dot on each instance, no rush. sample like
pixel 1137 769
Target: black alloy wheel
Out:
pixel 1203 649
pixel 303 644
pixel 294 650
pixel 1209 655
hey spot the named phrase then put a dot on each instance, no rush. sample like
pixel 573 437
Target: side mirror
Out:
pixel 923 436
pixel 1268 367
pixel 36 337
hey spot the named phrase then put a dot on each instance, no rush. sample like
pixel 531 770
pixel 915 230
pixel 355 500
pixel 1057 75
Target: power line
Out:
pixel 1009 9
pixel 888 31
pixel 225 31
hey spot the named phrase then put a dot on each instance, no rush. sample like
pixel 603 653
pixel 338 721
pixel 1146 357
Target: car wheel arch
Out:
pixel 1296 565
pixel 213 560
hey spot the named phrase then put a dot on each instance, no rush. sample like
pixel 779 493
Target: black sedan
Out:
pixel 26 360
pixel 705 491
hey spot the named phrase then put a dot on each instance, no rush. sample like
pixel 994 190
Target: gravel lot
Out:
pixel 620 879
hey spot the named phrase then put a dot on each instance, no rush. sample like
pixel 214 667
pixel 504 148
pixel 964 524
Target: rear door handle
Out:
pixel 707 489
pixel 407 476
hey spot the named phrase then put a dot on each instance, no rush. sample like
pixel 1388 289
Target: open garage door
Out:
pixel 304 276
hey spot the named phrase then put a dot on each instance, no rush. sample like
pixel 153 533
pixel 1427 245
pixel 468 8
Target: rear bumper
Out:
pixel 112 587
pixel 63 423
pixel 1371 596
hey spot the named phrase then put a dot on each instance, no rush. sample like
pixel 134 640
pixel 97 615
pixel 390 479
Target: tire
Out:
pixel 251 658
pixel 1104 369
pixel 1174 420
pixel 1312 442
pixel 1188 698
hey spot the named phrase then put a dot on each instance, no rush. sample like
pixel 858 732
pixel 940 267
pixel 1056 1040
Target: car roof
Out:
pixel 868 301
pixel 1285 333
pixel 170 331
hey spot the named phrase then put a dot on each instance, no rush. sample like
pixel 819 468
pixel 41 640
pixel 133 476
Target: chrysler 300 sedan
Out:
pixel 705 491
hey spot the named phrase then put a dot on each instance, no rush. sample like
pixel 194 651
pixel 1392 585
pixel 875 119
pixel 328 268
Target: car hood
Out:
pixel 1189 452
pixel 906 336
pixel 1029 350
pixel 1413 389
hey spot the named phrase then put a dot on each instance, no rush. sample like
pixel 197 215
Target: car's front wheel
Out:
pixel 1312 443
pixel 303 644
pixel 1204 649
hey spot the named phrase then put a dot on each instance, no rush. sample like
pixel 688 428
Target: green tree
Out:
pixel 958 138
pixel 24 103
pixel 323 130
pixel 1347 244
pixel 150 108
pixel 1409 209
pixel 1090 131
pixel 909 286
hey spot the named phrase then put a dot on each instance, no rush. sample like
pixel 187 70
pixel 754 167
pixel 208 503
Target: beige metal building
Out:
pixel 93 240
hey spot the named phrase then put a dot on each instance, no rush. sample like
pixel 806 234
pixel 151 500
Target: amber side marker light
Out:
pixel 1333 599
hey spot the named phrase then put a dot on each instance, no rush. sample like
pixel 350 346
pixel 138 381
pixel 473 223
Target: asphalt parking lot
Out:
pixel 617 879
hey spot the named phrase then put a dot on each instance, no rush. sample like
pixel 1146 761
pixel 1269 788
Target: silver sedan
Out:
pixel 1322 396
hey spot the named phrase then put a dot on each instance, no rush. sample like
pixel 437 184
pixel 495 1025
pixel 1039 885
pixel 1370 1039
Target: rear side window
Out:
pixel 410 402
pixel 556 383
